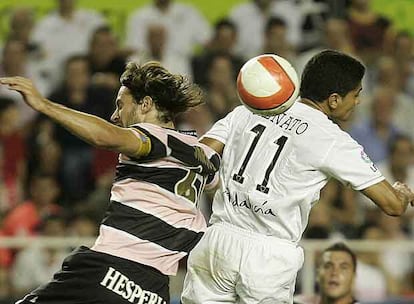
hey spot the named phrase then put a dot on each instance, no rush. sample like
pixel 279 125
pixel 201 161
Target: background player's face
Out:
pixel 345 106
pixel 126 112
pixel 336 275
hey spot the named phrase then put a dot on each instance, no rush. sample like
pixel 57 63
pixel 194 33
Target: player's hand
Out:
pixel 26 88
pixel 405 191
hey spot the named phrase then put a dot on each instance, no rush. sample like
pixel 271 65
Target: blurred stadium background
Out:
pixel 54 188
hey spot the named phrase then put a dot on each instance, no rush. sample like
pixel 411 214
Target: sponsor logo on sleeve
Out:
pixel 366 159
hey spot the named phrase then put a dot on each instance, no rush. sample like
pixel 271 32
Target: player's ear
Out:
pixel 334 100
pixel 146 104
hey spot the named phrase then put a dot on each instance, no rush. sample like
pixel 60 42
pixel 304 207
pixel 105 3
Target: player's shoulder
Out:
pixel 241 110
pixel 190 135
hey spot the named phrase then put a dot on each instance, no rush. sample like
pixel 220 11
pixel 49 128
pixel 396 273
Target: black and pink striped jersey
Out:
pixel 153 217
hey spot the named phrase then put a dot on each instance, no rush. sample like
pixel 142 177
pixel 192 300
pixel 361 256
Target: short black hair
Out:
pixel 274 21
pixel 330 72
pixel 340 246
pixel 105 29
pixel 225 22
pixel 74 58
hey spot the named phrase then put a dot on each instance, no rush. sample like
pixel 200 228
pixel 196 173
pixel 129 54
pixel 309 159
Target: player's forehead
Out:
pixel 336 257
pixel 124 94
pixel 123 91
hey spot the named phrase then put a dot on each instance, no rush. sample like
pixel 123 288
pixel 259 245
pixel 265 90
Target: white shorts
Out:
pixel 232 265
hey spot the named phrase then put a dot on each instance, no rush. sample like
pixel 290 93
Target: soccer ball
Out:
pixel 267 84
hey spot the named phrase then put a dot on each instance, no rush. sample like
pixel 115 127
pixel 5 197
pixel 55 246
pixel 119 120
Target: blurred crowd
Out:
pixel 53 184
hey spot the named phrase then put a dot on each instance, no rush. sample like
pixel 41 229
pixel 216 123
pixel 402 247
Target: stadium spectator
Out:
pixel 336 273
pixel 185 28
pixel 275 40
pixel 397 264
pixel 223 42
pixel 21 25
pixel 82 226
pixel 63 33
pixel 35 265
pixel 250 19
pixel 371 33
pixel 12 156
pixel 157 50
pixel 26 218
pixel 75 92
pixel 376 133
pixel 390 76
pixel 399 165
pixel 320 225
pixel 220 91
pixel 45 152
pixel 14 63
pixel 372 282
pixel 5 286
pixel 402 53
pixel 106 60
pixel 335 36
pixel 343 208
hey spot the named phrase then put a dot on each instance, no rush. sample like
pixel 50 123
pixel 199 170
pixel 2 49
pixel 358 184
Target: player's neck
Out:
pixel 316 105
pixel 169 125
pixel 153 117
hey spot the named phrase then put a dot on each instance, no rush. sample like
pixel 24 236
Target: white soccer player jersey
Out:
pixel 273 168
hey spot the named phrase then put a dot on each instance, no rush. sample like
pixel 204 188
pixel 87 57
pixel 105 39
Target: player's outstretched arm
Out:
pixel 393 200
pixel 90 128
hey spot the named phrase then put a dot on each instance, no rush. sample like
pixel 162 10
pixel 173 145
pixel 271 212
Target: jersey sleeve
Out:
pixel 200 158
pixel 348 162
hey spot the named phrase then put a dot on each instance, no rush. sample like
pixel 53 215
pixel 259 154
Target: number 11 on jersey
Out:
pixel 281 141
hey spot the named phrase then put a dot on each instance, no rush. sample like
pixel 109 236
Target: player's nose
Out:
pixel 115 117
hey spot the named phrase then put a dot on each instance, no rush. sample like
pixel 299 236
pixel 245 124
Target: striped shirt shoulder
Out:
pixel 183 146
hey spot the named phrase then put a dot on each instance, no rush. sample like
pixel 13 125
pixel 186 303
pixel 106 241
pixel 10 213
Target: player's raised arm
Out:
pixel 393 200
pixel 94 130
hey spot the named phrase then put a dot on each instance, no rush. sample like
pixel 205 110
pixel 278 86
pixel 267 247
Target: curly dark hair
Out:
pixel 171 93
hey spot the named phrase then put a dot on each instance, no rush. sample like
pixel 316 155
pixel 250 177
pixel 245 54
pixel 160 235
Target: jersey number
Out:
pixel 281 141
pixel 189 187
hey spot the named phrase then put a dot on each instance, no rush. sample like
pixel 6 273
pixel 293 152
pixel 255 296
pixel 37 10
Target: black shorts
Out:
pixel 90 277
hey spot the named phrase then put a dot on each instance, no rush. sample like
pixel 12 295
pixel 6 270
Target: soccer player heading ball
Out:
pixel 272 171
